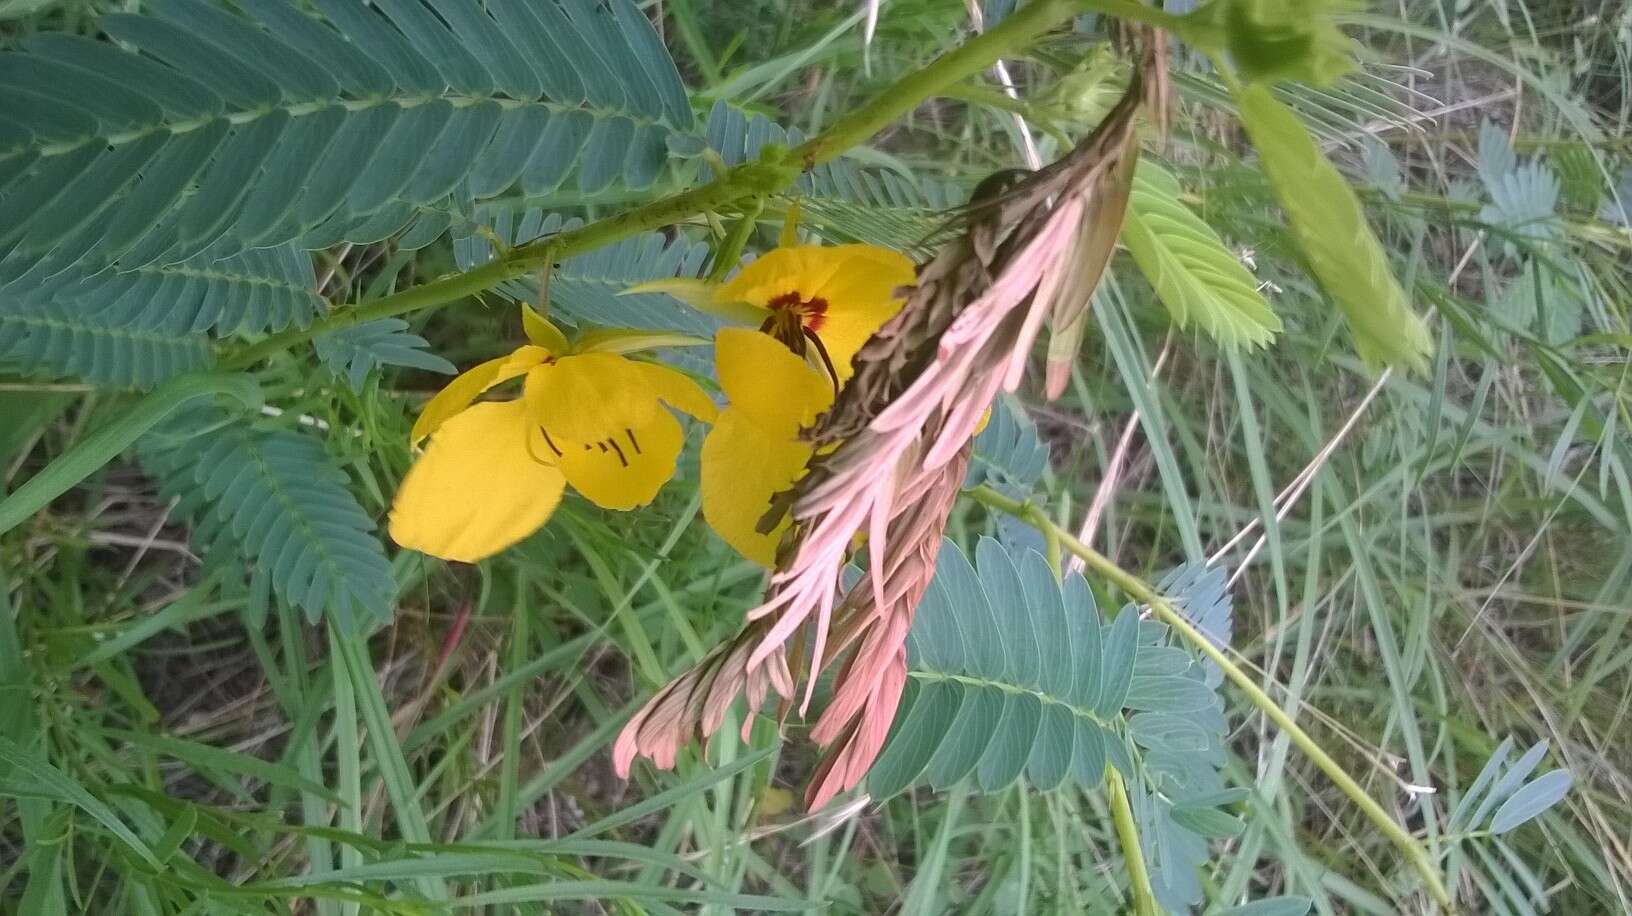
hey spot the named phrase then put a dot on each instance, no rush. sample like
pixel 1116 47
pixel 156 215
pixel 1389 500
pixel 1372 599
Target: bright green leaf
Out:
pixel 1330 228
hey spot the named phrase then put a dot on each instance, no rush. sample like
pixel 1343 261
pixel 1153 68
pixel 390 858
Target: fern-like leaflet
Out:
pixel 148 180
pixel 272 501
pixel 1013 675
pixel 352 353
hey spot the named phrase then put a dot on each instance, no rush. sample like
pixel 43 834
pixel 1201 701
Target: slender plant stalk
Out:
pixel 1127 829
pixel 744 182
pixel 1127 834
pixel 1163 610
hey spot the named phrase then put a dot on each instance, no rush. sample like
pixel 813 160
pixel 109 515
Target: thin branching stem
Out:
pixel 1133 854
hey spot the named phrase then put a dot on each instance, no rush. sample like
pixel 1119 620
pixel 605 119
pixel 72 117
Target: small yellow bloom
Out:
pixel 815 307
pixel 830 297
pixel 589 416
pixel 754 451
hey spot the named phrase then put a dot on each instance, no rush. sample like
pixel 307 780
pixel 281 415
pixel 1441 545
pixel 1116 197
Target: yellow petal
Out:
pixel 542 331
pixel 466 387
pixel 693 292
pixel 702 295
pixel 744 467
pixel 799 269
pixel 860 296
pixel 678 391
pixel 625 469
pixel 631 340
pixel 478 488
pixel 590 397
pixel 790 226
pixel 766 381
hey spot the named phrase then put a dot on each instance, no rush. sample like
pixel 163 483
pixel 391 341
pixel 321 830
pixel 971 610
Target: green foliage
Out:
pixel 282 130
pixel 1454 568
pixel 980 705
pixel 136 328
pixel 590 288
pixel 1194 275
pixel 1330 227
pixel 1273 906
pixel 352 353
pixel 278 505
pixel 1274 40
pixel 1012 675
pixel 1496 155
pixel 842 200
pixel 1500 799
pixel 1009 455
pixel 1523 197
pixel 1270 41
pixel 1523 202
pixel 47 780
pixel 62 341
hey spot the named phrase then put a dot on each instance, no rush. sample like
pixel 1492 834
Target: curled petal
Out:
pixel 543 332
pixel 768 382
pixel 632 340
pixel 469 385
pixel 704 296
pixel 743 468
pixel 478 488
pixel 678 391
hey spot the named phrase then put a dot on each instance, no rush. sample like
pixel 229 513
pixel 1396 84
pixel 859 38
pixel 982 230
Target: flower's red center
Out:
pixel 795 320
pixel 812 313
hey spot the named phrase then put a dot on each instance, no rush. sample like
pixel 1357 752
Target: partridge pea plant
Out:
pixel 250 235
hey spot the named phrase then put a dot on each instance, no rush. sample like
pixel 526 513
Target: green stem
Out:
pixel 1163 610
pixel 1127 834
pixel 729 251
pixel 103 445
pixel 750 179
pixel 742 181
pixel 973 56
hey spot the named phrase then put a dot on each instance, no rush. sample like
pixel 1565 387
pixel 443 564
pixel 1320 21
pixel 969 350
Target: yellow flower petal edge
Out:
pixel 762 378
pixel 861 295
pixel 542 331
pixel 754 451
pixel 589 397
pixel 631 340
pixel 840 293
pixel 702 295
pixel 744 466
pixel 678 391
pixel 465 388
pixel 478 488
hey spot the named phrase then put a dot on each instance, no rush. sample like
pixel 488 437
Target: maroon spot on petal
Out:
pixel 786 300
pixel 815 312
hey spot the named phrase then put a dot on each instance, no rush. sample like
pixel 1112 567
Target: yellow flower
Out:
pixel 814 307
pixel 754 451
pixel 494 471
pixel 811 297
